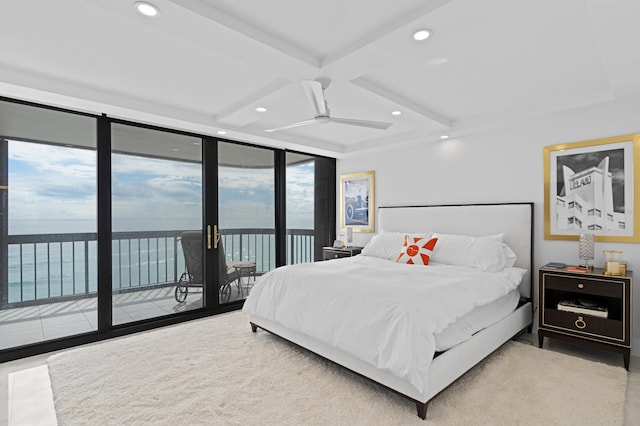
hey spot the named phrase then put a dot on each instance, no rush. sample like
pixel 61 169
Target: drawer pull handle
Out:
pixel 580 323
pixel 580 285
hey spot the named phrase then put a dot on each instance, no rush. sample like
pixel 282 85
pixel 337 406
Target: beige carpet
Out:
pixel 215 371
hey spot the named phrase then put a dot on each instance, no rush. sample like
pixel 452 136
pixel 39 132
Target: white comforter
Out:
pixel 379 311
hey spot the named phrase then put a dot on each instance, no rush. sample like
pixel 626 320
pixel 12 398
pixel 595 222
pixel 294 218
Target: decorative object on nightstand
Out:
pixel 335 253
pixel 586 249
pixel 349 237
pixel 587 308
pixel 613 264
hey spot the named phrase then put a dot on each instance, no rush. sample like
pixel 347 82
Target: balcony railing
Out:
pixel 53 267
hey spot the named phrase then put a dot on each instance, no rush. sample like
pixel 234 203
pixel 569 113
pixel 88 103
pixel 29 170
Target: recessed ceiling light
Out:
pixel 444 137
pixel 174 149
pixel 438 61
pixel 147 9
pixel 261 109
pixel 222 132
pixel 396 112
pixel 421 35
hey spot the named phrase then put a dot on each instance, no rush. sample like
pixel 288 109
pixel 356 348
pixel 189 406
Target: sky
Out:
pixel 52 189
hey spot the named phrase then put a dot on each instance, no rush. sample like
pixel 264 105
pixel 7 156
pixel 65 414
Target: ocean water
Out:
pixel 70 268
pixel 54 269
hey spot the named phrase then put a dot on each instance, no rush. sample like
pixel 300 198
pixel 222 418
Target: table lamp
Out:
pixel 586 249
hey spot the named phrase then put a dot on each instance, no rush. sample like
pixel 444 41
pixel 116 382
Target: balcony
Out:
pixel 51 290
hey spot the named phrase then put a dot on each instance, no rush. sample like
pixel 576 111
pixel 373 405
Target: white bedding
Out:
pixel 476 320
pixel 404 306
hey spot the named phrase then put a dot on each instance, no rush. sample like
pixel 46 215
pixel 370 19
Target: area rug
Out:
pixel 216 371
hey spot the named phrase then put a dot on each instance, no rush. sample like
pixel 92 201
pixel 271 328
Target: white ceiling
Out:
pixel 204 65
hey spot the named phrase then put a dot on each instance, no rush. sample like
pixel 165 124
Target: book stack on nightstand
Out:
pixel 585 306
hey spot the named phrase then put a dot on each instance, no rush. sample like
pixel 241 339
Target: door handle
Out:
pixel 215 237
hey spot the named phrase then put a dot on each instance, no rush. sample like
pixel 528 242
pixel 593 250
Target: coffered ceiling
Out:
pixel 206 65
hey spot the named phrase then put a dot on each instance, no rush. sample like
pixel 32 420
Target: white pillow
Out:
pixel 510 256
pixel 387 245
pixel 482 253
pixel 515 275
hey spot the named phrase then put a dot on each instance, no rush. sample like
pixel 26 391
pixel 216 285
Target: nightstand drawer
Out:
pixel 585 285
pixel 335 254
pixel 588 325
pixel 329 253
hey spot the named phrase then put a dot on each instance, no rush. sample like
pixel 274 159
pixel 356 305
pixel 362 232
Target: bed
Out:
pixel 411 328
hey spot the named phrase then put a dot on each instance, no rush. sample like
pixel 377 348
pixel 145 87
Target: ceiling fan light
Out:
pixel 421 35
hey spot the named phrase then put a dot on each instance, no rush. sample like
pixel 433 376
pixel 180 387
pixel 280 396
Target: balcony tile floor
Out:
pixel 32 324
pixel 20 326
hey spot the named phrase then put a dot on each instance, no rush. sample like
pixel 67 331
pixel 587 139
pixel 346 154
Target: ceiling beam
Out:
pixel 406 103
pixel 384 30
pixel 231 115
pixel 249 29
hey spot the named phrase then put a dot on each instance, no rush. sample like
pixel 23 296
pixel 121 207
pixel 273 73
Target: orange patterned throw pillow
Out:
pixel 416 250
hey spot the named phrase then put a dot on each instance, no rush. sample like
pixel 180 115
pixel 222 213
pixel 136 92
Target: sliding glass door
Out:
pixel 109 227
pixel 47 225
pixel 157 226
pixel 246 209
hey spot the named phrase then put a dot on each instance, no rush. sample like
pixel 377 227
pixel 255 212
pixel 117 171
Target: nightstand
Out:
pixel 335 253
pixel 610 331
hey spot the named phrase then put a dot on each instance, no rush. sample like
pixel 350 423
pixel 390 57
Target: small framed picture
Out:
pixel 338 244
pixel 357 203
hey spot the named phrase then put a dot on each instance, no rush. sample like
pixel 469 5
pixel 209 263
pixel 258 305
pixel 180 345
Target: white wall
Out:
pixel 503 164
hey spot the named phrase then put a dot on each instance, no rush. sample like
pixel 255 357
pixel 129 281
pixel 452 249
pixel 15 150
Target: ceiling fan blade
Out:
pixel 362 123
pixel 292 125
pixel 315 93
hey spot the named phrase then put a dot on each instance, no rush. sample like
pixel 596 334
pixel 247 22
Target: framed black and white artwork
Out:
pixel 591 187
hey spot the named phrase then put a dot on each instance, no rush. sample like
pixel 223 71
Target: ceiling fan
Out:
pixel 315 92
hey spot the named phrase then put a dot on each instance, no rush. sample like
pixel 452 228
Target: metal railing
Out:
pixel 54 267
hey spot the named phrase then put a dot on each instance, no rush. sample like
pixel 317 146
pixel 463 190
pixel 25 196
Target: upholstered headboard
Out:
pixel 514 220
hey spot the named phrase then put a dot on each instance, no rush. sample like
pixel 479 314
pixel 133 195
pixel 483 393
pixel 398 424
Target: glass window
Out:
pixel 300 207
pixel 157 248
pixel 246 209
pixel 48 239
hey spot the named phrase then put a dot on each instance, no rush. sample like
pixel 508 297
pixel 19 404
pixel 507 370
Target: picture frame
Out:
pixel 592 187
pixel 357 201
